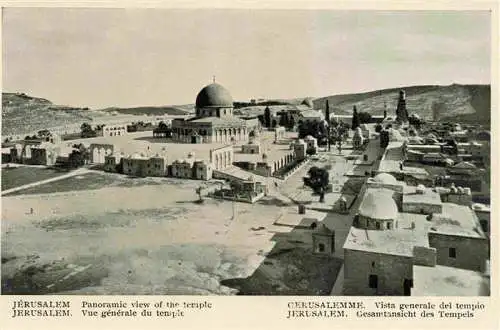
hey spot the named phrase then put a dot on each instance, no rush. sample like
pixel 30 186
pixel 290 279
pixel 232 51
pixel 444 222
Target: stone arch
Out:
pixel 95 155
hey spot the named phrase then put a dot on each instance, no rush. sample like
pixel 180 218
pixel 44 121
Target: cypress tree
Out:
pixel 327 115
pixel 355 118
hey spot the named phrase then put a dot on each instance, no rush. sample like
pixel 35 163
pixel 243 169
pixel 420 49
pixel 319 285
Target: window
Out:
pixel 373 281
pixel 377 225
pixel 389 225
pixel 321 247
pixel 452 253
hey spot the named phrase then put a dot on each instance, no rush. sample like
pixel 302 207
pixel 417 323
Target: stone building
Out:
pixel 384 246
pixel 214 121
pixel 251 147
pixel 421 200
pixel 44 154
pixel 142 165
pixel 110 130
pixel 222 158
pixel 323 240
pixel 202 170
pixel 112 161
pixel 312 142
pixel 483 214
pixel 299 147
pixel 99 151
pixel 458 238
pixel 279 133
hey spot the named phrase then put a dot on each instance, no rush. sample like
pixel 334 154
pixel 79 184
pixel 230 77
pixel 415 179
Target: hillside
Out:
pixel 467 103
pixel 153 111
pixel 23 114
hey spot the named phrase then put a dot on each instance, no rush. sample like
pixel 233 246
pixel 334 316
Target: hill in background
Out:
pixel 176 110
pixel 467 103
pixel 22 114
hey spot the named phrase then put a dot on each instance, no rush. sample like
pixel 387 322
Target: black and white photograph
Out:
pixel 262 152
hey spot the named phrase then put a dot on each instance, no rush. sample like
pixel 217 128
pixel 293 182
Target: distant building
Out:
pixel 110 130
pixel 141 165
pixel 312 142
pixel 279 133
pixel 251 148
pixel 99 151
pixel 310 116
pixel 112 161
pixel 299 147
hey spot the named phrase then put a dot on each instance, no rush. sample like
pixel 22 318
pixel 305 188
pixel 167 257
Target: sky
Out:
pixel 132 57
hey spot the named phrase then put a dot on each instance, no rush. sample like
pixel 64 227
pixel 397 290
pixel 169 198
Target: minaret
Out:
pixel 401 112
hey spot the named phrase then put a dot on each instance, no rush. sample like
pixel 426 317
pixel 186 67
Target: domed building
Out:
pixel 214 121
pixel 378 210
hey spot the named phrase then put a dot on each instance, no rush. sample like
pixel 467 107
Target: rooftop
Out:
pixel 448 281
pixel 398 241
pixel 457 220
pixel 214 95
pixel 410 195
pixel 311 114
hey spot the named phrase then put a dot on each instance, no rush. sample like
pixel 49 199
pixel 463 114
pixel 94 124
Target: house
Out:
pixel 323 240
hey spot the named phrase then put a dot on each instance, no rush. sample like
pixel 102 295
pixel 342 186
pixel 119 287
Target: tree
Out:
pixel 162 126
pixel 87 131
pixel 364 117
pixel 415 121
pixel 267 117
pixel 384 138
pixel 76 159
pixel 283 119
pixel 317 180
pixel 327 117
pixel 291 123
pixel 355 118
pixel 311 151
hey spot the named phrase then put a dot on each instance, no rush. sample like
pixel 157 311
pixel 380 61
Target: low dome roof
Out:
pixel 385 178
pixel 214 96
pixel 378 205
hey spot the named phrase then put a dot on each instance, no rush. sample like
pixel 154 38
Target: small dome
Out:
pixel 379 205
pixel 214 96
pixel 385 178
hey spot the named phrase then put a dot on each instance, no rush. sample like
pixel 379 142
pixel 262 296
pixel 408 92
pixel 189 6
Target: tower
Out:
pixel 401 111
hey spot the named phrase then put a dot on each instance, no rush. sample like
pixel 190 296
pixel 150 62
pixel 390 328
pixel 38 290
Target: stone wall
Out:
pixel 424 256
pixel 470 253
pixel 421 208
pixel 391 271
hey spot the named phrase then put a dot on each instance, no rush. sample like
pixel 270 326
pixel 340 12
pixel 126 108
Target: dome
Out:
pixel 379 205
pixel 214 96
pixel 385 178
